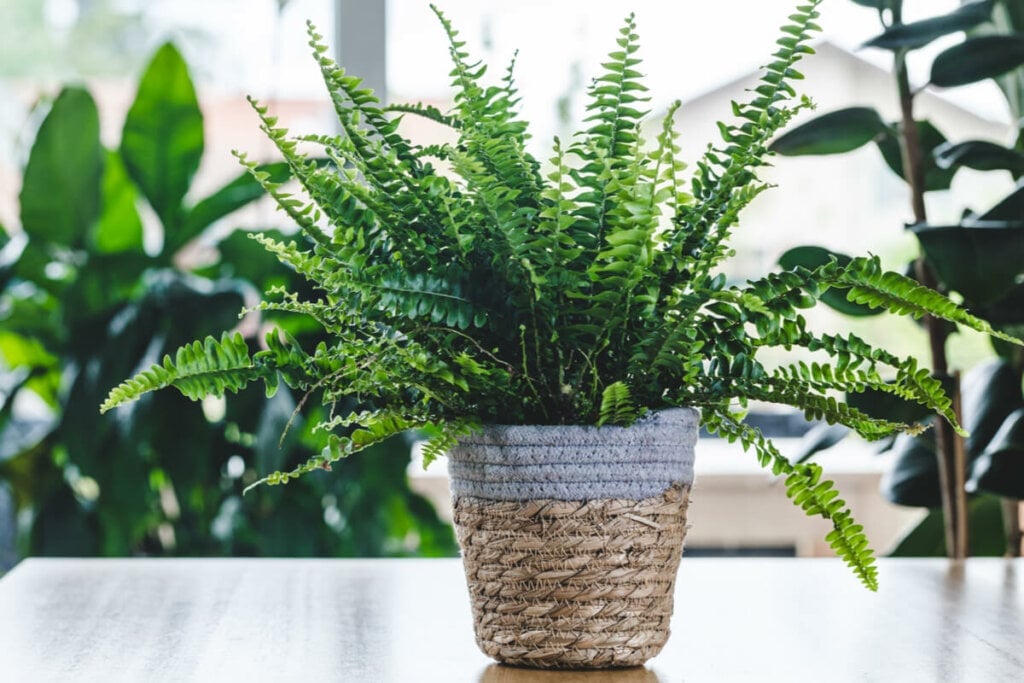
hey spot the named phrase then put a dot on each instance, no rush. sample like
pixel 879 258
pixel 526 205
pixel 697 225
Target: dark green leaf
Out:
pixel 980 155
pixel 1009 209
pixel 103 285
pixel 976 59
pixel 919 33
pixel 244 258
pixel 833 133
pixel 62 527
pixel 9 255
pixel 1000 469
pixel 162 141
pixel 119 227
pixel 935 178
pixel 981 263
pixel 1006 313
pixel 1008 17
pixel 914 477
pixel 819 438
pixel 231 197
pixel 885 406
pixel 811 257
pixel 989 393
pixel 60 193
pixel 875 4
pixel 985 531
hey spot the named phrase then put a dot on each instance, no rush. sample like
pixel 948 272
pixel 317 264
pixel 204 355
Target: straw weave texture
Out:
pixel 572 584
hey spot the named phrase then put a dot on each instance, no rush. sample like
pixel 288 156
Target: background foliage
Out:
pixel 86 298
pixel 981 259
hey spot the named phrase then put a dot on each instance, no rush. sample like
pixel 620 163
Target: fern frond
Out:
pixel 872 285
pixel 208 368
pixel 607 146
pixel 305 215
pixel 427 111
pixel 807 491
pixel 428 297
pixel 441 438
pixel 374 428
pixel 726 179
pixel 617 406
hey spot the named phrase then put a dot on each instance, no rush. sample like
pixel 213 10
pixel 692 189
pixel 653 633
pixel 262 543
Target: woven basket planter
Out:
pixel 571 537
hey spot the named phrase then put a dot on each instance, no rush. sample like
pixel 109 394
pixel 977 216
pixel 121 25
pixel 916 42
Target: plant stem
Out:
pixel 949 446
pixel 1012 509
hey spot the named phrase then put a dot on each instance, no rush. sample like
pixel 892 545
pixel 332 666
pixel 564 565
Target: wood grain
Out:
pixel 409 620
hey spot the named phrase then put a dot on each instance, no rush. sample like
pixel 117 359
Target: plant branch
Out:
pixel 949 446
pixel 1011 523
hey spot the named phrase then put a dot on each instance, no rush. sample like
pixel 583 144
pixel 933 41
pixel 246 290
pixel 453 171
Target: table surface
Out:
pixel 408 620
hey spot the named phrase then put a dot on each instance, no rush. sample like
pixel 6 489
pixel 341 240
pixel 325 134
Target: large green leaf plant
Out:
pixel 465 283
pixel 83 302
pixel 981 259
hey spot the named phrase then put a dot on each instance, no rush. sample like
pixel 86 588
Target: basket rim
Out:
pixel 664 420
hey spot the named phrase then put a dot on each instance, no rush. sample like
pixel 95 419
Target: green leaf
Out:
pixel 119 228
pixel 833 133
pixel 245 258
pixel 981 263
pixel 976 59
pixel 985 531
pixel 886 406
pixel 60 194
pixel 1011 208
pixel 875 4
pixel 979 155
pixel 231 197
pixel 1008 18
pixel 935 178
pixel 162 141
pixel 1005 314
pixel 812 257
pixel 919 33
pixel 617 405
pixel 989 393
pixel 914 477
pixel 208 368
pixel 8 258
pixel 1000 469
pixel 819 438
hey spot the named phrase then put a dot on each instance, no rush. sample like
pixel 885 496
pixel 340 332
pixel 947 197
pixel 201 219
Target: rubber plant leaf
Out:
pixel 919 33
pixel 935 178
pixel 1000 469
pixel 832 133
pixel 812 257
pixel 985 531
pixel 982 263
pixel 976 59
pixel 980 155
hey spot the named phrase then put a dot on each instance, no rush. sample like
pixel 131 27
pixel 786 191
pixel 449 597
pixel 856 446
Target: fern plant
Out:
pixel 469 283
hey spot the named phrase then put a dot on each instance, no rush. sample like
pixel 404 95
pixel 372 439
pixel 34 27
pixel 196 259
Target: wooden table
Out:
pixel 408 620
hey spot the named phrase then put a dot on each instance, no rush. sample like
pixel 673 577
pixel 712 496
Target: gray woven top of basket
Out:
pixel 519 462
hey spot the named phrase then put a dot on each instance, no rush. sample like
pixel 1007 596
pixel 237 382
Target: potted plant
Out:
pixel 556 329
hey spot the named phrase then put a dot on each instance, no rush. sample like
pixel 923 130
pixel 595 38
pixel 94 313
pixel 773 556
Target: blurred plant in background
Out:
pixel 101 281
pixel 981 259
